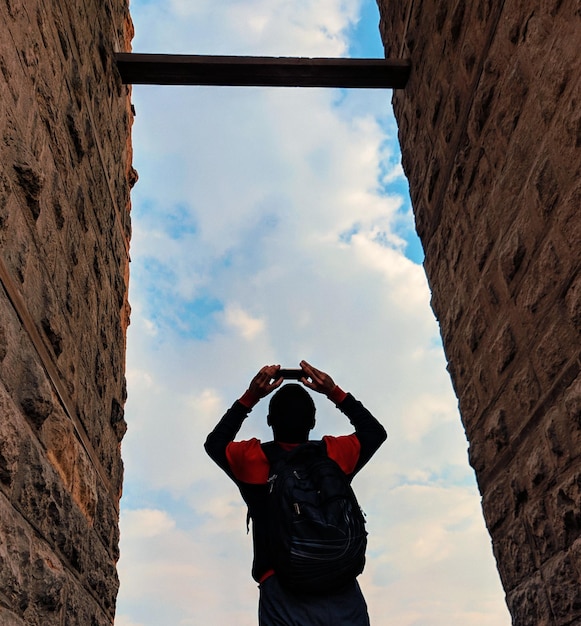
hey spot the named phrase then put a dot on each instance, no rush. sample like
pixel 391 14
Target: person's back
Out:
pixel 316 529
pixel 250 464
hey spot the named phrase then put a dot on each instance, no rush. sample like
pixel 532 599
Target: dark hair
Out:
pixel 291 413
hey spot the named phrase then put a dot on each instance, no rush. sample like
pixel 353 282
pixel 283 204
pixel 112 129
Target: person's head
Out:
pixel 291 414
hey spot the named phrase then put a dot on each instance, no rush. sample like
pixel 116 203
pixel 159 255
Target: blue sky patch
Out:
pixel 179 222
pixel 190 318
pixel 364 38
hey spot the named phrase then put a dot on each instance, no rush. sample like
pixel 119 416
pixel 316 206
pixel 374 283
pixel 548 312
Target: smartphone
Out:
pixel 291 374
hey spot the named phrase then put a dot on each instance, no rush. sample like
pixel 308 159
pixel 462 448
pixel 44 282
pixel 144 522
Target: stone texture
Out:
pixel 490 130
pixel 65 179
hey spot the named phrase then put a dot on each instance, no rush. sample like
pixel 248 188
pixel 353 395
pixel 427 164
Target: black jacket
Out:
pixel 369 433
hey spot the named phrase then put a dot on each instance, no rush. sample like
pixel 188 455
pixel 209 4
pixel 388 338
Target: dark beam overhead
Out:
pixel 184 69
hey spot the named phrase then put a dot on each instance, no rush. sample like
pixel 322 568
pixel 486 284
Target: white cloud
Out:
pixel 124 620
pixel 146 522
pixel 254 27
pixel 263 232
pixel 249 327
pixel 179 577
pixel 432 537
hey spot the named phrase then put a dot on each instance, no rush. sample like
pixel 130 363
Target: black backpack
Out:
pixel 316 528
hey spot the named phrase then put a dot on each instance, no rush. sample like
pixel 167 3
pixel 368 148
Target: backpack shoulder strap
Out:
pixel 271 449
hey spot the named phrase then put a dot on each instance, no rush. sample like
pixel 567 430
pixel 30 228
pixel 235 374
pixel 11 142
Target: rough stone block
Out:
pixel 564 592
pixel 566 502
pixel 573 303
pixel 35 395
pixel 504 349
pixel 490 129
pixel 542 279
pixel 62 260
pixel 530 603
pixel 550 356
pixel 512 254
pixel 547 186
pixel 489 440
pixel 523 392
pixel 517 563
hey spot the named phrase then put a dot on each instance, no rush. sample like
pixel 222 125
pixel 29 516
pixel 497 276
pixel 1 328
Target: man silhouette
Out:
pixel 292 416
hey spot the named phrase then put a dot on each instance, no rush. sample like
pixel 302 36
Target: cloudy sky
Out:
pixel 272 225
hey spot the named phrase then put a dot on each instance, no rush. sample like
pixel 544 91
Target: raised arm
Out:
pixel 260 386
pixel 370 433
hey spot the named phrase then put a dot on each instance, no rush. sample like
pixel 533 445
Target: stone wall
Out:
pixel 65 176
pixel 490 129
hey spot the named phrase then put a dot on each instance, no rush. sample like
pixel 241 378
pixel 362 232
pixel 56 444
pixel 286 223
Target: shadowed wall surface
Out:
pixel 65 177
pixel 490 129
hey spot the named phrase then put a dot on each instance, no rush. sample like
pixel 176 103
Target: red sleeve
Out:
pixel 248 462
pixel 248 399
pixel 344 451
pixel 337 395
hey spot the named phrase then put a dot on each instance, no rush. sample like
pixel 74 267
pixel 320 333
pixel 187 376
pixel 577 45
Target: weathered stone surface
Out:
pixel 490 129
pixel 65 178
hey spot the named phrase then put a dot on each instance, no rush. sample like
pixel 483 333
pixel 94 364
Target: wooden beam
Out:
pixel 172 69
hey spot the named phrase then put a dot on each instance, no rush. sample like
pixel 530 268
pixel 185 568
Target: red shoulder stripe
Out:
pixel 344 451
pixel 248 462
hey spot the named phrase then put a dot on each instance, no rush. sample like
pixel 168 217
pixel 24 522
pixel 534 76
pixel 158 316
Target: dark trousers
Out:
pixel 279 607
